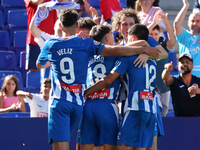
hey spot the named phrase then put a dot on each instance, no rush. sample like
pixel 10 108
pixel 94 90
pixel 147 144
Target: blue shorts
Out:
pixel 100 123
pixel 137 129
pixel 32 53
pixel 159 130
pixel 64 118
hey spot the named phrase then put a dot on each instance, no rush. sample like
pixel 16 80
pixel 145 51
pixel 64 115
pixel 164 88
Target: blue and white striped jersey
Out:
pixel 69 60
pixel 98 68
pixel 141 83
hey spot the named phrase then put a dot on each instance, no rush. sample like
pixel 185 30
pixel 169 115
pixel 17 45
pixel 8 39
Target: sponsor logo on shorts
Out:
pixel 71 88
pixel 146 95
pixel 41 114
pixel 102 93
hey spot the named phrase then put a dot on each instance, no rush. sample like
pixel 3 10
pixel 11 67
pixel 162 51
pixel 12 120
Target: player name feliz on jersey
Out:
pixel 64 51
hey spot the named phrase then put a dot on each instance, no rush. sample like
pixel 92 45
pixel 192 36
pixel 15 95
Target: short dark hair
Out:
pixel 140 31
pixel 68 17
pixel 99 31
pixel 156 28
pixel 86 22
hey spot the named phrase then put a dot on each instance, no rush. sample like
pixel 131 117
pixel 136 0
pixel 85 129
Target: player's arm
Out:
pixel 166 74
pixel 129 51
pixel 163 54
pixel 42 61
pixel 34 29
pixel 39 66
pixel 142 43
pixel 108 80
pixel 178 28
pixel 23 94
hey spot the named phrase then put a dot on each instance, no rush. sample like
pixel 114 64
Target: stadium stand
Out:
pixel 17 20
pixel 22 66
pixel 33 82
pixel 19 43
pixel 15 115
pixel 8 60
pixel 1 20
pixel 11 5
pixel 4 42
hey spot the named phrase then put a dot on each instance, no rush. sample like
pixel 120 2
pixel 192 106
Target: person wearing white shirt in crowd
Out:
pixel 38 102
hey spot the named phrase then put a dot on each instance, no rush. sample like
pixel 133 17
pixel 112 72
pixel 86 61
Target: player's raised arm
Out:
pixel 129 51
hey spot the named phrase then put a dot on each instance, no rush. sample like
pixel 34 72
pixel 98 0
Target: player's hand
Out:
pixel 83 34
pixel 41 6
pixel 85 94
pixel 169 66
pixel 141 60
pixel 185 2
pixel 152 51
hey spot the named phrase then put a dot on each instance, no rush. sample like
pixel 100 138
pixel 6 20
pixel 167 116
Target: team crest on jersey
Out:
pixel 96 43
pixel 198 41
pixel 146 95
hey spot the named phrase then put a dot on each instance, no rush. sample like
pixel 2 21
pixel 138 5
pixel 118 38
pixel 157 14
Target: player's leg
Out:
pixel 154 147
pixel 109 147
pixel 60 145
pixel 87 147
pixel 124 147
pixel 98 148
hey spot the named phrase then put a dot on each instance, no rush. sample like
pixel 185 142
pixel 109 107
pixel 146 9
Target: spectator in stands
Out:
pixel 38 102
pixel 131 3
pixel 184 88
pixel 109 8
pixel 196 7
pixel 9 101
pixel 167 45
pixel 46 25
pixel 189 40
pixel 146 11
pixel 84 6
pixel 123 20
